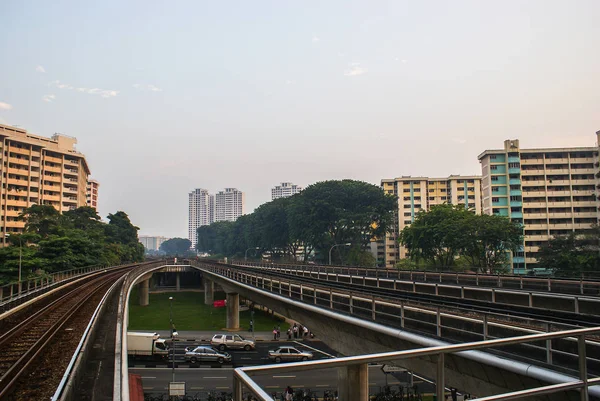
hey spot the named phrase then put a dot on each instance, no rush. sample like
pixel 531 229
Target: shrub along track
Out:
pixel 37 350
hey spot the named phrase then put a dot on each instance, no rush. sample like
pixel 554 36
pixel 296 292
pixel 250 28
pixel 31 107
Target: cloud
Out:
pixel 315 38
pixel 150 88
pixel 41 69
pixel 105 93
pixel 355 70
pixel 5 106
pixel 459 140
pixel 48 98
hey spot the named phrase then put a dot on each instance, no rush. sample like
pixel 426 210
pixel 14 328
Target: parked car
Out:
pixel 289 354
pixel 206 354
pixel 231 341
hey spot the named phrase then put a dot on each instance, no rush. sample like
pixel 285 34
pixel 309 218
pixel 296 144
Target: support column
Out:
pixel 177 281
pixel 353 382
pixel 143 288
pixel 233 311
pixel 209 291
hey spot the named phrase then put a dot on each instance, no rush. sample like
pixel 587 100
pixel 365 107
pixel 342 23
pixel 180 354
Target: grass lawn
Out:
pixel 189 313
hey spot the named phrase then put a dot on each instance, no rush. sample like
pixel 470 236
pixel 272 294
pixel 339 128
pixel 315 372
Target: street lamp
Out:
pixel 246 253
pixel 20 259
pixel 346 244
pixel 172 334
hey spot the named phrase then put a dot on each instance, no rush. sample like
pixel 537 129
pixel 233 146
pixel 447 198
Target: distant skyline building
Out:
pixel 151 243
pixel 92 193
pixel 229 204
pixel 284 190
pixel 421 193
pixel 200 212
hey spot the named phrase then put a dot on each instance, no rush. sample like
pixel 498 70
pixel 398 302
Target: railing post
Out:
pixel 373 307
pixel 301 293
pixel 280 287
pixel 330 299
pixel 394 284
pixel 436 289
pixel 438 319
pixel 290 289
pixel 315 295
pixel 549 285
pixel 237 389
pixel 531 300
pixel 575 304
pixel 377 281
pixel 351 305
pixel 440 389
pixel 583 367
pixel 402 314
pixel 485 327
pixel 548 346
pixel 493 295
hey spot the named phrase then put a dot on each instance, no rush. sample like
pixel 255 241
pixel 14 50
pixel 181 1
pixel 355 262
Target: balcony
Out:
pixel 532 161
pixel 53 159
pixel 532 249
pixel 582 160
pixel 72 163
pixel 560 226
pixel 15 224
pixel 20 162
pixel 557 160
pixel 514 181
pixel 536 237
pixel 586 214
pixel 515 192
pixel 516 215
pixel 50 178
pixel 533 193
pixel 538 205
pixel 581 226
pixel 536 226
pixel 12 213
pixel 70 190
pixel 536 215
pixel 19 151
pixel 590 203
pixel 47 197
pixel 532 172
pixel 514 159
pixel 514 170
pixel 14 181
pixel 558 182
pixel 582 170
pixel 533 183
pixel 18 203
pixel 587 181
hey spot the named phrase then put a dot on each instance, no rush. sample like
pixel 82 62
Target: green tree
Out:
pixel 176 246
pixel 42 220
pixel 571 255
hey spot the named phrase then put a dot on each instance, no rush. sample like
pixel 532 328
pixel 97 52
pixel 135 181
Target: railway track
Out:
pixel 25 343
pixel 562 317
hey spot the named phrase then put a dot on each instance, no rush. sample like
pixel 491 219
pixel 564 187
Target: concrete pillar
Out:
pixel 353 382
pixel 233 311
pixel 209 291
pixel 143 287
pixel 177 281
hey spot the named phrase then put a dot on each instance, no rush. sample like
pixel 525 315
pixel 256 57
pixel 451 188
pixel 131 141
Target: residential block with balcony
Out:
pixel 550 191
pixel 38 170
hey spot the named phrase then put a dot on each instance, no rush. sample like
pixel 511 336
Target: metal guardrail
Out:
pixel 243 376
pixel 15 294
pixel 562 285
pixel 521 297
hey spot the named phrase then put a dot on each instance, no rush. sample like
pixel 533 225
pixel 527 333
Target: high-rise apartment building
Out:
pixel 421 193
pixel 91 193
pixel 38 170
pixel 284 190
pixel 151 243
pixel 551 191
pixel 229 204
pixel 200 212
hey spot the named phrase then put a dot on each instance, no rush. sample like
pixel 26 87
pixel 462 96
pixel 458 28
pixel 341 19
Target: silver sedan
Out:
pixel 206 354
pixel 289 354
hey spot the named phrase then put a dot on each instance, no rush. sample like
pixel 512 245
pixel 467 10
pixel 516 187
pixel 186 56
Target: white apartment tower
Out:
pixel 284 190
pixel 200 212
pixel 229 204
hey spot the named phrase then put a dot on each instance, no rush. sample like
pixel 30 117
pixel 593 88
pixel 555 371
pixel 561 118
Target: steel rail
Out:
pixel 18 368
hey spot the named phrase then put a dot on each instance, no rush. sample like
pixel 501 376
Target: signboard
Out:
pixel 391 369
pixel 176 389
pixel 219 304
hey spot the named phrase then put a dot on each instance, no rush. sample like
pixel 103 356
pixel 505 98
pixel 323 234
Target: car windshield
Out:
pixel 215 350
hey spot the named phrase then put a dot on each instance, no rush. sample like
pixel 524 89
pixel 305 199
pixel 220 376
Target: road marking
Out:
pixel 245 358
pixel 283 377
pixel 147 388
pixel 322 385
pixel 148 377
pixel 197 388
pixel 271 386
pixel 314 349
pixel 222 388
pixel 215 377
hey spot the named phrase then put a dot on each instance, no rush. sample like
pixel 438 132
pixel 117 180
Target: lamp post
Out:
pixel 172 336
pixel 20 260
pixel 246 253
pixel 346 244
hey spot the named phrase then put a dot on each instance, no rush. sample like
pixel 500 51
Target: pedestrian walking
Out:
pixel 278 332
pixel 289 333
pixel 295 330
pixel 274 333
pixel 305 332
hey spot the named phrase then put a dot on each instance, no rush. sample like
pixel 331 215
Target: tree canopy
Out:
pixel 176 246
pixel 324 214
pixel 52 241
pixel 445 233
pixel 572 255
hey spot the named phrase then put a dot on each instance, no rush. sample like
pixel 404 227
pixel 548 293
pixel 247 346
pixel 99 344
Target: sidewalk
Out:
pixel 185 335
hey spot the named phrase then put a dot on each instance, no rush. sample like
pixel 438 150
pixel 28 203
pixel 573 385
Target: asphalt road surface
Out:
pixel 202 377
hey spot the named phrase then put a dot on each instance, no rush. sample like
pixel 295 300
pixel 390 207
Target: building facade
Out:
pixel 550 191
pixel 38 170
pixel 229 204
pixel 151 243
pixel 284 190
pixel 421 193
pixel 200 212
pixel 91 193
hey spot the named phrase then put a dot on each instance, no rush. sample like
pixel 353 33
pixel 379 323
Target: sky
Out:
pixel 165 97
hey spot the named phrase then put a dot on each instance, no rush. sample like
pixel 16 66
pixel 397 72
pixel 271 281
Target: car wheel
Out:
pixel 247 348
pixel 221 360
pixel 278 359
pixel 222 347
pixel 193 359
pixel 304 358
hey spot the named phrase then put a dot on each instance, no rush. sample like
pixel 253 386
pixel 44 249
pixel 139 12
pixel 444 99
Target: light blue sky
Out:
pixel 165 97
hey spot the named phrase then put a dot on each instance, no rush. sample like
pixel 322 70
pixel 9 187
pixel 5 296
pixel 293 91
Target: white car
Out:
pixel 206 354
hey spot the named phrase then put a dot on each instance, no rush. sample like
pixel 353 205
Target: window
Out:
pixel 493 167
pixel 495 189
pixel 407 221
pixel 495 199
pixel 494 178
pixel 493 157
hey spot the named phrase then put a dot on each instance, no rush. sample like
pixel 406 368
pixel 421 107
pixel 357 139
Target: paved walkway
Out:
pixel 207 335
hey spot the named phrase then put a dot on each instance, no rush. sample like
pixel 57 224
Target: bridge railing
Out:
pixel 563 285
pixel 583 383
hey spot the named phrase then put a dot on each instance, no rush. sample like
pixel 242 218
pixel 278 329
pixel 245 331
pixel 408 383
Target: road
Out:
pixel 203 377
